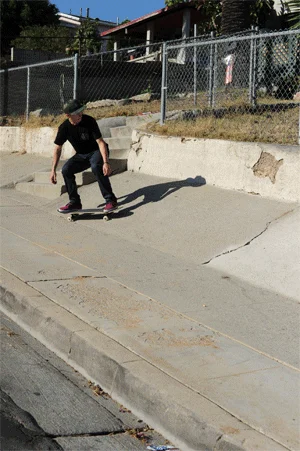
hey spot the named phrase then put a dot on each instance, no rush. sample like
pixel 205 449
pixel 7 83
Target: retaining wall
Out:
pixel 31 140
pixel 268 170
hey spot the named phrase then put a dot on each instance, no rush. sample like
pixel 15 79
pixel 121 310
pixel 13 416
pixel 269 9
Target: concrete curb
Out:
pixel 188 419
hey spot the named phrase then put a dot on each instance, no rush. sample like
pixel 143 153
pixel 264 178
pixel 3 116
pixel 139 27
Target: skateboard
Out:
pixel 89 212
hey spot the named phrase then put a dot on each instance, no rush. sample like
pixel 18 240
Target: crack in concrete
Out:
pixel 217 442
pixel 239 247
pixel 65 280
pixel 250 241
pixel 90 434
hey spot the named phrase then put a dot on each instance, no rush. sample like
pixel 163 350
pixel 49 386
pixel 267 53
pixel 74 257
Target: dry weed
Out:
pixel 275 127
pixel 279 127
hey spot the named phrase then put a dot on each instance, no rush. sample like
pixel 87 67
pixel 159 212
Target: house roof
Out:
pixel 160 13
pixel 76 20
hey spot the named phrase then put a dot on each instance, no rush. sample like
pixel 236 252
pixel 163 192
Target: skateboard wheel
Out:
pixel 106 218
pixel 72 218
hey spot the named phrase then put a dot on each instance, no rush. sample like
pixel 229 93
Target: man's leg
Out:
pixel 74 165
pixel 96 163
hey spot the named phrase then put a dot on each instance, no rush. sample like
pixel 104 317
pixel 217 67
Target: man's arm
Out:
pixel 103 150
pixel 56 158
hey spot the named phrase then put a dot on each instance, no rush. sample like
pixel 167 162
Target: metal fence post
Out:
pixel 75 88
pixel 251 67
pixel 195 66
pixel 27 93
pixel 4 87
pixel 215 75
pixel 254 71
pixel 299 127
pixel 211 73
pixel 163 84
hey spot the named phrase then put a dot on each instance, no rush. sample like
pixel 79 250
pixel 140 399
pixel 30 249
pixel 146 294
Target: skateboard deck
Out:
pixel 74 215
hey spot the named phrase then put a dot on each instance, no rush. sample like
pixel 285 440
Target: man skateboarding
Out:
pixel 83 132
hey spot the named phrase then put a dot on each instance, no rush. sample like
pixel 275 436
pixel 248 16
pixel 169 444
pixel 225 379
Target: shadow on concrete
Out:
pixel 156 193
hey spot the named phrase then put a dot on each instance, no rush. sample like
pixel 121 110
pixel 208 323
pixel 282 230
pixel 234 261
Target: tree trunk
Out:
pixel 235 16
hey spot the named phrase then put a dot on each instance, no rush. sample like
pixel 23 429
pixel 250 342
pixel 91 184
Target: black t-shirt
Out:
pixel 81 136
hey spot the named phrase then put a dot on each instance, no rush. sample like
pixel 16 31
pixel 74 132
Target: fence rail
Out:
pixel 250 72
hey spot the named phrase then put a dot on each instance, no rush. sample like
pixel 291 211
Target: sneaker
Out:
pixel 111 205
pixel 70 207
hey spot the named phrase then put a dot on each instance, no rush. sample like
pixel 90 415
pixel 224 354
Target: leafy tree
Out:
pixel 16 15
pixel 263 14
pixel 50 38
pixel 212 13
pixel 87 39
pixel 176 2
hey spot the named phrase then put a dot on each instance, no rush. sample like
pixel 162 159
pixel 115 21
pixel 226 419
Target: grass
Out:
pixel 133 109
pixel 269 127
pixel 272 124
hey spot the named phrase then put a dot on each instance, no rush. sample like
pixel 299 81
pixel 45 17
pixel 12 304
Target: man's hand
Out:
pixel 56 157
pixel 53 178
pixel 107 169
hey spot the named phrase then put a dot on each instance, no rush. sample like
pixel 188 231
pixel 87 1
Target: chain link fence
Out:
pixel 38 86
pixel 121 74
pixel 251 76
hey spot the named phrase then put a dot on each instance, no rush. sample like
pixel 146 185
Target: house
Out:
pixel 165 24
pixel 73 22
pixel 70 21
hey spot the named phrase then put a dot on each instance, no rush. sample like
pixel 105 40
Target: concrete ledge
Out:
pixel 188 419
pixel 268 170
pixel 32 140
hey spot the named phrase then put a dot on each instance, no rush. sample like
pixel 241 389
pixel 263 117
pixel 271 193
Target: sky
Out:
pixel 110 9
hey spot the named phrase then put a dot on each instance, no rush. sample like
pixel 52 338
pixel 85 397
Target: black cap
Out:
pixel 73 106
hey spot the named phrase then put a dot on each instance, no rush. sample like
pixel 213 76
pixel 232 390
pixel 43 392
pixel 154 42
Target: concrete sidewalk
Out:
pixel 182 307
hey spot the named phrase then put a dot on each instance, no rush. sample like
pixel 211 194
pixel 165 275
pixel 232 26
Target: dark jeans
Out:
pixel 79 163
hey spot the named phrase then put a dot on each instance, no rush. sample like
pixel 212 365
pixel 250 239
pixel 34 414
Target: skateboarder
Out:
pixel 83 133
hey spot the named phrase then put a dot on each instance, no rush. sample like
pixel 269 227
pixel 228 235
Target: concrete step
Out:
pixel 119 143
pixel 112 122
pixel 107 124
pixel 121 132
pixel 40 186
pixel 119 165
pixel 46 190
pixel 83 178
pixel 105 132
pixel 117 155
pixel 137 121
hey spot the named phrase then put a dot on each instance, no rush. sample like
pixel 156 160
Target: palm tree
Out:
pixel 293 15
pixel 235 15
